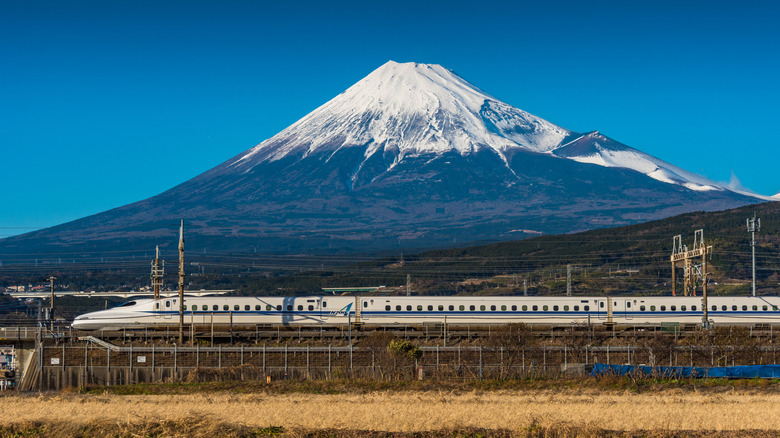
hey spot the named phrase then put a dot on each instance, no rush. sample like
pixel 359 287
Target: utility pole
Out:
pixel 753 226
pixel 181 283
pixel 525 287
pixel 408 281
pixel 51 310
pixel 568 280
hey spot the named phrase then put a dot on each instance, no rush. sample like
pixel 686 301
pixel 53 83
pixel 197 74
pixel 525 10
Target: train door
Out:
pixel 627 309
pixel 601 308
pixel 168 310
pixel 157 310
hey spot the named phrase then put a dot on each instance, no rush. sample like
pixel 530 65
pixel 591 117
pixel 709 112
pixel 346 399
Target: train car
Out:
pixel 375 311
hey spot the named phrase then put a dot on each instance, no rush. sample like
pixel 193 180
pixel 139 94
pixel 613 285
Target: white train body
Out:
pixel 453 311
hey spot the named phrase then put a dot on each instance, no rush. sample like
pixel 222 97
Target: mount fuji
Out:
pixel 411 156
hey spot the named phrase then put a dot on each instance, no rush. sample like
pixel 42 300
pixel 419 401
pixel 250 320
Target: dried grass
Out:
pixel 519 412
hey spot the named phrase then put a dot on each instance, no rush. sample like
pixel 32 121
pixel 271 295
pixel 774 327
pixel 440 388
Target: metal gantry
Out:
pixel 691 270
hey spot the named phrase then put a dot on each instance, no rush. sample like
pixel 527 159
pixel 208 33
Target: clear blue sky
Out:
pixel 104 103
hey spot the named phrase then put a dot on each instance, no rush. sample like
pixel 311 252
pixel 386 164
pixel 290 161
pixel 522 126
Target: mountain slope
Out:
pixel 410 157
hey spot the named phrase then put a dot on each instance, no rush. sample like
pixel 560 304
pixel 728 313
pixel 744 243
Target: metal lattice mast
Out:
pixel 181 283
pixel 753 226
pixel 158 271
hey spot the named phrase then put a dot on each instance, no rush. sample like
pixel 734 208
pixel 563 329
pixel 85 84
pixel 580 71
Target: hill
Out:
pixel 631 259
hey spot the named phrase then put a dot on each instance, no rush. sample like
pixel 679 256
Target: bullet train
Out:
pixel 377 311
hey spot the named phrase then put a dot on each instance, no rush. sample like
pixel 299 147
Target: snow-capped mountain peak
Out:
pixel 415 109
pixel 407 110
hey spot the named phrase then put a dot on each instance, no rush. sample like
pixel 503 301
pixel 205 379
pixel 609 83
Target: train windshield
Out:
pixel 127 304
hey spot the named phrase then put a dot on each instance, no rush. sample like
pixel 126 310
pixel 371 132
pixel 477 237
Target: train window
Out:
pixel 430 308
pixel 724 308
pixel 184 307
pixel 601 304
pixel 236 307
pixel 398 308
pixel 157 306
pixel 194 307
pixel 641 308
pixel 482 307
pixel 514 308
pixel 503 307
pixel 289 307
pixel 576 308
pixel 387 308
pixel 652 308
pixel 693 308
pixel 733 307
pixel 472 308
pixel 461 308
pixel 545 308
pixel 452 307
pixel 131 303
pixel 565 308
pixel 714 307
pixel 324 304
pixel 300 306
pixel 534 308
pixel 408 308
pixel 278 307
pixel 755 307
pixel 311 307
pixel 774 308
pixel 441 308
pixel 555 308
pixel 493 308
pixel 765 307
pixel 683 308
pixel 673 308
pixel 419 308
pixel 663 308
pixel 744 307
pixel 246 307
pixel 525 307
pixel 365 303
pixel 628 304
pixel 167 304
pixel 225 307
pixel 587 308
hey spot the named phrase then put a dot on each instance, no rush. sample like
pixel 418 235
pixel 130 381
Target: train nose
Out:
pixel 83 322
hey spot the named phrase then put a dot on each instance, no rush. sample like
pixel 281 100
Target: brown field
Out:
pixel 565 412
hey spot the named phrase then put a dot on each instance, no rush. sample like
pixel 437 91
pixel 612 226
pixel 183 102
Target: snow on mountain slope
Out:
pixel 595 148
pixel 416 109
pixel 408 110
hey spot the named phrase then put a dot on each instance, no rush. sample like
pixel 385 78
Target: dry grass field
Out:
pixel 565 412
